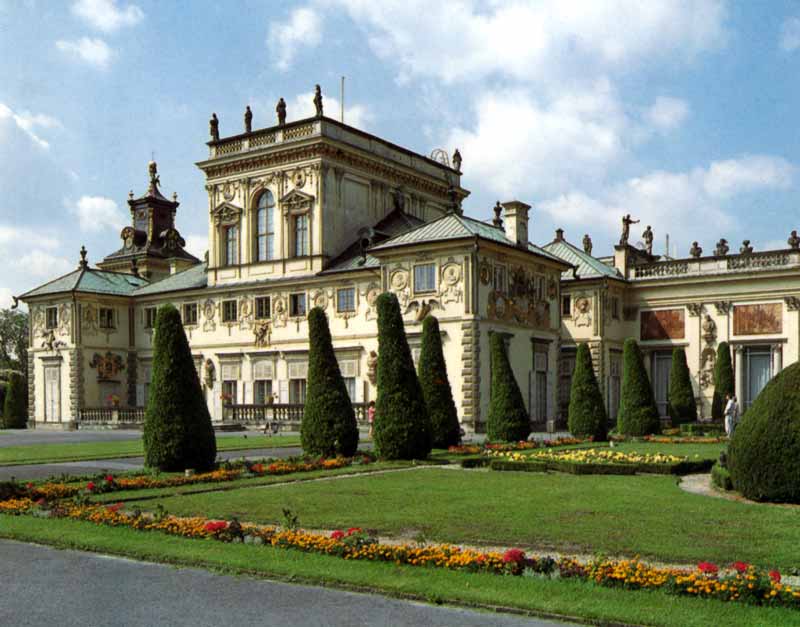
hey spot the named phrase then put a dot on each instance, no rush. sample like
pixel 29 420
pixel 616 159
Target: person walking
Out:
pixel 371 416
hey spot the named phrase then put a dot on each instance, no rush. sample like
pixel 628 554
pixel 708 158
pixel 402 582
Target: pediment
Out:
pixel 227 213
pixel 297 202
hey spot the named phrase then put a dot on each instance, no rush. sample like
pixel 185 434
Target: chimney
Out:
pixel 516 222
pixel 559 235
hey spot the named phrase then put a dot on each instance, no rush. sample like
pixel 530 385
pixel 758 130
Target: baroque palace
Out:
pixel 315 213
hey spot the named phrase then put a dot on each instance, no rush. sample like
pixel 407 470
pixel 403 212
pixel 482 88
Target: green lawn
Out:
pixel 42 453
pixel 646 515
pixel 562 597
pixel 703 451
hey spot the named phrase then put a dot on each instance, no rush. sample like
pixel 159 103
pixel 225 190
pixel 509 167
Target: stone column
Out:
pixel 777 358
pixel 739 371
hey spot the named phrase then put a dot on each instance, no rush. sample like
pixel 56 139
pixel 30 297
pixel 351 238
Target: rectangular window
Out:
pixel 566 306
pixel 229 311
pixel 346 299
pixel 232 246
pixel 615 308
pixel 52 317
pixel 301 236
pixel 297 391
pixel 263 308
pixel 262 392
pixel 350 384
pixel 499 282
pixel 228 392
pixel 150 317
pixel 190 314
pixel 106 318
pixel 297 305
pixel 425 277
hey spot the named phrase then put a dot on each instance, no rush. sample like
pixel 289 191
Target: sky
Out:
pixel 682 113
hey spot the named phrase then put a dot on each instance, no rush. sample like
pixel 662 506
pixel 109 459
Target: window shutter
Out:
pixel 263 370
pixel 348 368
pixel 298 370
pixel 230 372
pixel 540 361
pixel 283 392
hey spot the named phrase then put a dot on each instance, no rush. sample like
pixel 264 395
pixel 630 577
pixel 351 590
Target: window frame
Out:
pixel 300 218
pixel 293 298
pixel 352 299
pixel 566 312
pixel 259 301
pixel 267 235
pixel 110 324
pixel 47 314
pixel 185 318
pixel 150 314
pixel 226 304
pixel 420 266
pixel 500 285
pixel 231 245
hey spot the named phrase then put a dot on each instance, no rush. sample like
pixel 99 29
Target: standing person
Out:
pixel 371 416
pixel 735 421
pixel 730 414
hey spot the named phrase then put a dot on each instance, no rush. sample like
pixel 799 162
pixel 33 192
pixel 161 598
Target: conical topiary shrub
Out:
pixel 329 423
pixel 445 429
pixel 638 414
pixel 508 419
pixel 15 407
pixel 682 406
pixel 402 428
pixel 177 427
pixel 764 454
pixel 587 412
pixel 723 381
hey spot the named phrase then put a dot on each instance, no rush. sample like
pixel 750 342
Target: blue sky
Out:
pixel 681 113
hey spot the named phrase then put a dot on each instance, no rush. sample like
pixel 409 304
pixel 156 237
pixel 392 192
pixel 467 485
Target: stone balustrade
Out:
pixel 706 266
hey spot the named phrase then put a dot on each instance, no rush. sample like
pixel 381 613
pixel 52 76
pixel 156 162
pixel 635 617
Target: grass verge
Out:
pixel 82 451
pixel 562 598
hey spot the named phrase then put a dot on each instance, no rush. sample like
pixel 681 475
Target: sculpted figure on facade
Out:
pixel 318 101
pixel 245 314
pixel 210 374
pixel 49 340
pixel 485 271
pixel 279 312
pixel 709 329
pixel 450 289
pixel 319 299
pixel 746 248
pixel 457 160
pixel 793 241
pixel 372 367
pixel 262 333
pixel 587 244
pixel 373 291
pixel 626 229
pixel 695 251
pixel 213 127
pixel 398 282
pixel 647 236
pixel 248 120
pixel 108 366
pixel 281 111
pixel 722 248
pixel 209 312
pixel 583 312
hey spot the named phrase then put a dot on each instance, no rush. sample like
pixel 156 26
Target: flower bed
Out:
pixel 596 461
pixel 524 445
pixel 740 583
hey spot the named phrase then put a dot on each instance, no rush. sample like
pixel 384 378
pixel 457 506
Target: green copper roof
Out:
pixel 191 278
pixel 90 280
pixel 454 226
pixel 588 267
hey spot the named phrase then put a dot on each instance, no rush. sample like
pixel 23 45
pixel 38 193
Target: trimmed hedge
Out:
pixel 329 424
pixel 721 478
pixel 402 427
pixel 682 406
pixel 508 419
pixel 723 381
pixel 638 414
pixel 700 428
pixel 445 428
pixel 474 462
pixel 15 407
pixel 177 426
pixel 587 411
pixel 764 453
pixel 576 468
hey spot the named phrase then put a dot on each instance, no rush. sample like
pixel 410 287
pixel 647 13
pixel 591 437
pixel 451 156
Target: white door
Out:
pixel 52 395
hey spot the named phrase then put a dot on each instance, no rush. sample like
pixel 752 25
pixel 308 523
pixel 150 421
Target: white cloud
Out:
pixel 302 28
pixel 683 204
pixel 466 40
pixel 29 122
pixel 92 51
pixel 106 16
pixel 197 245
pixel 521 144
pixel 790 34
pixel 303 107
pixel 667 113
pixel 96 213
pixel 30 257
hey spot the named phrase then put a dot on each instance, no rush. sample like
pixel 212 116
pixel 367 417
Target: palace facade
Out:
pixel 316 213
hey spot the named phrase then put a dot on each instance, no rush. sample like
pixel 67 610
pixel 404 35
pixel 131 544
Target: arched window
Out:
pixel 232 245
pixel 265 227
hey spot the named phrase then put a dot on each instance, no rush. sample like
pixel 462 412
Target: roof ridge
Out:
pixel 58 278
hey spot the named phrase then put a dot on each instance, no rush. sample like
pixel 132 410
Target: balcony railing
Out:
pixel 111 415
pixel 278 413
pixel 708 266
pixel 265 137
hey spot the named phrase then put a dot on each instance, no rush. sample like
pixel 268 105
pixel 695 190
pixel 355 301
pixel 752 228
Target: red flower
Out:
pixel 353 530
pixel 337 534
pixel 115 508
pixel 29 486
pixel 90 486
pixel 109 479
pixel 775 576
pixel 212 526
pixel 514 556
pixel 740 567
pixel 708 568
pixel 41 501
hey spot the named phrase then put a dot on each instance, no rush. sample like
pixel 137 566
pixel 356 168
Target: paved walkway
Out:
pixel 45 586
pixel 20 437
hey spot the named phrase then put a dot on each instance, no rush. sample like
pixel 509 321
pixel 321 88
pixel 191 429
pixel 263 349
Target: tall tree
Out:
pixel 723 381
pixel 177 427
pixel 402 427
pixel 682 406
pixel 587 411
pixel 15 414
pixel 638 413
pixel 432 369
pixel 13 339
pixel 329 423
pixel 508 419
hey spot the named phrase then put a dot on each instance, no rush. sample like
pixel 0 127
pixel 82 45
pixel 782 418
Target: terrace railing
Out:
pixel 111 415
pixel 278 413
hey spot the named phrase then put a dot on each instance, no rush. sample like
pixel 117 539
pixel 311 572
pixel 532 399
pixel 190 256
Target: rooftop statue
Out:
pixel 248 120
pixel 281 110
pixel 626 229
pixel 793 241
pixel 695 251
pixel 587 244
pixel 647 236
pixel 213 127
pixel 318 101
pixel 457 160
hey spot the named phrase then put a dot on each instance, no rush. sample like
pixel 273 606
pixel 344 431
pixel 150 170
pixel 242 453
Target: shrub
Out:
pixel 15 407
pixel 329 423
pixel 587 412
pixel 764 453
pixel 723 381
pixel 638 414
pixel 508 419
pixel 682 406
pixel 445 429
pixel 402 427
pixel 720 477
pixel 177 426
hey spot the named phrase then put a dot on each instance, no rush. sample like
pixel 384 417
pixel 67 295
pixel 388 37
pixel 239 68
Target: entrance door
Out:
pixel 662 363
pixel 758 371
pixel 539 387
pixel 52 394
